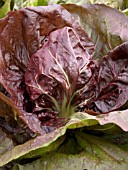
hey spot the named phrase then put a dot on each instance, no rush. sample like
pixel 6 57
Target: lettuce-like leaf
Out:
pixel 101 24
pixel 11 122
pixel 111 81
pixel 119 118
pixel 92 153
pixel 49 142
pixel 57 74
pixel 42 144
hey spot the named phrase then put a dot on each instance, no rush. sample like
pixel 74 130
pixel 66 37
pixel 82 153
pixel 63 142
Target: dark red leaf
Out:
pixel 57 73
pixel 111 81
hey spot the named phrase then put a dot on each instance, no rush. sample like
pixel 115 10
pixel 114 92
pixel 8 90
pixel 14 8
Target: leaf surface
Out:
pixel 111 81
pixel 102 26
pixel 95 154
pixel 22 34
pixel 51 141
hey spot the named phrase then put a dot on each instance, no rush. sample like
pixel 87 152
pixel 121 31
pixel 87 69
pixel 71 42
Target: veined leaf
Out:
pixel 93 153
pixel 99 22
pixel 49 142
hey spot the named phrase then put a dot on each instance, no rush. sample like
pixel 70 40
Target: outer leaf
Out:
pixel 42 144
pixel 47 142
pixel 102 26
pixel 119 118
pixel 119 139
pixel 11 122
pixel 111 81
pixel 5 8
pixel 21 34
pixel 95 154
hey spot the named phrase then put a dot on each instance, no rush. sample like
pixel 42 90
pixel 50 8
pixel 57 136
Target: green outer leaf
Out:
pixel 32 147
pixel 5 8
pixel 95 154
pixel 51 146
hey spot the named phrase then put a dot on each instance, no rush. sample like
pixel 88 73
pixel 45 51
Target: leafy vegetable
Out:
pixel 50 84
